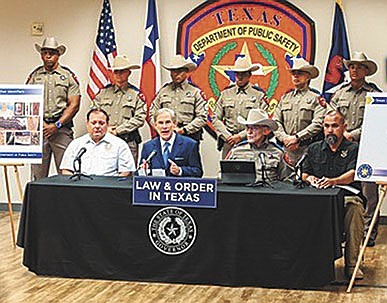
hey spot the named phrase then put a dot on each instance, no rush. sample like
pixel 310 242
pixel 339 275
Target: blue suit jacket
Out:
pixel 185 153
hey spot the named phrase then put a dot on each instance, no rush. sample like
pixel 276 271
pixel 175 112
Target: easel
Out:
pixel 8 190
pixel 383 190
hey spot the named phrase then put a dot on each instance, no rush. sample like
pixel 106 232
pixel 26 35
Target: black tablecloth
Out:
pixel 276 237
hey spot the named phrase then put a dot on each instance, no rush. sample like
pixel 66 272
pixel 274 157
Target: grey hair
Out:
pixel 165 110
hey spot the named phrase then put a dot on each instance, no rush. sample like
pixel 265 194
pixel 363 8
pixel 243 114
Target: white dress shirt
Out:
pixel 109 157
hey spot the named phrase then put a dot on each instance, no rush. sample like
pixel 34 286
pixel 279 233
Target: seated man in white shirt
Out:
pixel 105 153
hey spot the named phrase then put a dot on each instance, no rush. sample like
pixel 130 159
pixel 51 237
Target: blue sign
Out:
pixel 168 191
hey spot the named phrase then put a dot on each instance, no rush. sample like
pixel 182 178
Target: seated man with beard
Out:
pixel 332 162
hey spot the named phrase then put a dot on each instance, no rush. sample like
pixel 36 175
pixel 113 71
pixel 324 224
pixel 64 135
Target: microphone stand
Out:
pixel 150 173
pixel 264 177
pixel 78 172
pixel 298 182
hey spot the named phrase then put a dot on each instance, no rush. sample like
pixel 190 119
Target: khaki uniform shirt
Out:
pixel 299 113
pixel 351 104
pixel 58 86
pixel 126 108
pixel 234 102
pixel 186 101
pixel 276 168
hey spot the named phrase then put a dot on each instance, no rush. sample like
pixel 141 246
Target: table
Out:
pixel 271 237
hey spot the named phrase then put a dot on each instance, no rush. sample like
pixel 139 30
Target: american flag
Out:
pixel 105 51
pixel 150 72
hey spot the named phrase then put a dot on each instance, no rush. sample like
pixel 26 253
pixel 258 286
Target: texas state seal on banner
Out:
pixel 271 33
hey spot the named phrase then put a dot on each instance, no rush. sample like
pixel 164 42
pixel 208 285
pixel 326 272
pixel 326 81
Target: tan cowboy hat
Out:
pixel 243 64
pixel 179 61
pixel 300 64
pixel 360 57
pixel 257 116
pixel 50 43
pixel 122 62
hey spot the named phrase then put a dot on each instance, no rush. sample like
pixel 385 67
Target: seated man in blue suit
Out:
pixel 177 154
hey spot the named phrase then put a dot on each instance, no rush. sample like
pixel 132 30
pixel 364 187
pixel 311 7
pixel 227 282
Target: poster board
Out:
pixel 371 162
pixel 21 120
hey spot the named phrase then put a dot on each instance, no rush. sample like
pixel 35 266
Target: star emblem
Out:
pixel 148 32
pixel 224 70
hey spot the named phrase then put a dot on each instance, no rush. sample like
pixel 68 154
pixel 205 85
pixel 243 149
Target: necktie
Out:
pixel 166 154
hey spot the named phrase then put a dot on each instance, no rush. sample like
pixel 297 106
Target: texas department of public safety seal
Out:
pixel 172 230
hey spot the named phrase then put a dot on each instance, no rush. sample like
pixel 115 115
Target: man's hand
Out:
pixel 326 182
pixel 49 130
pixel 112 130
pixel 174 169
pixel 234 139
pixel 144 165
pixel 291 142
pixel 348 136
pixel 179 130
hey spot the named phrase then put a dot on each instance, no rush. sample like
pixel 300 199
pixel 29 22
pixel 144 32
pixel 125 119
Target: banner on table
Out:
pixel 168 191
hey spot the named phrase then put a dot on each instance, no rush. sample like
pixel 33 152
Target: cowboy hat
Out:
pixel 257 116
pixel 50 43
pixel 360 57
pixel 300 64
pixel 122 62
pixel 179 61
pixel 243 64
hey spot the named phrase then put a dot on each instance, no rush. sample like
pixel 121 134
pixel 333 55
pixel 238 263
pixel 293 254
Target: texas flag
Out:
pixel 335 71
pixel 150 72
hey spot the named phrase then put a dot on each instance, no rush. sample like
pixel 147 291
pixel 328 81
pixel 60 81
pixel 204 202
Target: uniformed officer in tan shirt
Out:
pixel 125 105
pixel 300 112
pixel 61 103
pixel 237 100
pixel 350 100
pixel 183 98
pixel 258 128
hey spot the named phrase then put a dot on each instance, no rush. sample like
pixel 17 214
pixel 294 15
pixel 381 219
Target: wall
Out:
pixel 74 23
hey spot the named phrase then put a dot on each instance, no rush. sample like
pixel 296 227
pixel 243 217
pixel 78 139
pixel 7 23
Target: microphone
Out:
pixel 151 155
pixel 262 159
pixel 302 159
pixel 80 153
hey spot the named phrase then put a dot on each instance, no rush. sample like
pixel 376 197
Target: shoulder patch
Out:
pixel 141 96
pixel 30 75
pixel 71 73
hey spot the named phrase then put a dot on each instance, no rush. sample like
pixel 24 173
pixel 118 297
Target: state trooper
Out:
pixel 186 100
pixel 258 128
pixel 300 112
pixel 350 100
pixel 124 103
pixel 61 103
pixel 237 100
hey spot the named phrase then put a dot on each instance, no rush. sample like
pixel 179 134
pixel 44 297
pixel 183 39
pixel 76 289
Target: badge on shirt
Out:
pixel 309 101
pixel 188 94
pixel 344 154
pixel 253 98
pixel 63 77
pixel 108 147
